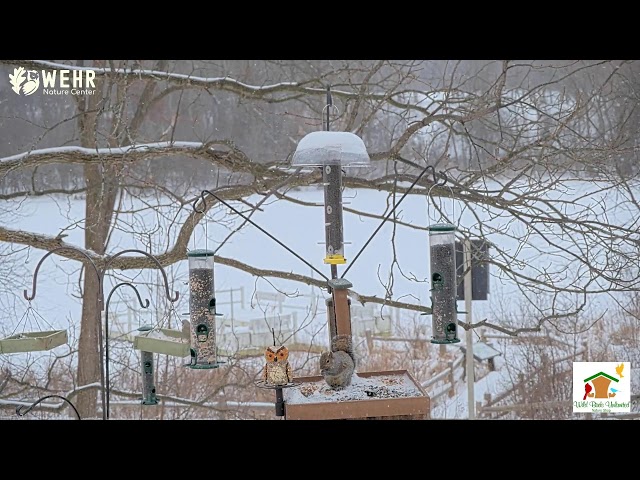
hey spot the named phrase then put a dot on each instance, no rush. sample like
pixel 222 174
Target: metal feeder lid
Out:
pixel 145 328
pixel 331 148
pixel 200 253
pixel 339 283
pixel 442 227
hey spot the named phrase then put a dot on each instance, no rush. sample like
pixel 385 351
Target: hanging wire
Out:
pixel 237 212
pixel 25 320
pixel 21 413
pixel 453 210
pixel 206 232
pixel 384 220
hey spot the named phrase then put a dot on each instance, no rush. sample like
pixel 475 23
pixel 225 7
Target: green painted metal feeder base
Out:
pixel 205 366
pixel 148 402
pixel 444 342
pixel 164 341
pixel 33 341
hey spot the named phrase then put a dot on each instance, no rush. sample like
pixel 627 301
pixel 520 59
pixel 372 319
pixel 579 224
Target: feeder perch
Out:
pixel 33 341
pixel 202 310
pixel 162 340
pixel 443 283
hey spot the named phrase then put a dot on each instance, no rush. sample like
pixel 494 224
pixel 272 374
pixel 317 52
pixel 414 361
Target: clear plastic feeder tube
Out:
pixel 202 306
pixel 443 283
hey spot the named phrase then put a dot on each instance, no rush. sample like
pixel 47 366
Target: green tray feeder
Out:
pixel 162 340
pixel 33 341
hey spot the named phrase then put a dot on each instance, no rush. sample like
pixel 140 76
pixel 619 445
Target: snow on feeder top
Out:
pixel 317 149
pixel 444 312
pixel 332 151
pixel 202 309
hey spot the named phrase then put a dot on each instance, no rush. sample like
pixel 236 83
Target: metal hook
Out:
pixel 435 178
pixel 155 260
pixel 21 413
pixel 204 203
pixel 453 211
pixel 327 106
pixel 106 327
pixel 35 274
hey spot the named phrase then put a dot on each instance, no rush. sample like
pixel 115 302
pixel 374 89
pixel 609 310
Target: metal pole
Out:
pixel 469 368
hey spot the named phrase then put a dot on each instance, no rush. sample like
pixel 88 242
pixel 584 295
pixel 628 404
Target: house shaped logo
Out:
pixel 601 387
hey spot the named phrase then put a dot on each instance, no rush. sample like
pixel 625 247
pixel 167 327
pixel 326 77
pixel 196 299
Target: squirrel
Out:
pixel 338 365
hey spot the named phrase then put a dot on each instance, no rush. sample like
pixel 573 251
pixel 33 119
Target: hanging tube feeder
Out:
pixel 148 385
pixel 332 151
pixel 202 310
pixel 443 283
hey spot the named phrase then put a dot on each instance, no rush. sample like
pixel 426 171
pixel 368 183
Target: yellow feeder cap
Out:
pixel 335 259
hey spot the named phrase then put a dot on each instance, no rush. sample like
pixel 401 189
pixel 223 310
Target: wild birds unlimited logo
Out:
pixel 601 387
pixel 54 82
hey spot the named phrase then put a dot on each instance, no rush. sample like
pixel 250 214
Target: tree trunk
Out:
pixel 100 199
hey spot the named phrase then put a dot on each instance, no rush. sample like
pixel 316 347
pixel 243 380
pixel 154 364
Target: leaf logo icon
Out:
pixel 17 79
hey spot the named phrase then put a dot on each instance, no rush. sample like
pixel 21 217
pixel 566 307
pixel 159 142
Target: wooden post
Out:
pixel 487 401
pixel 522 392
pixel 343 315
pixel 464 366
pixel 585 351
pixel 452 390
pixel 331 319
pixel 479 409
pixel 369 338
pixel 341 307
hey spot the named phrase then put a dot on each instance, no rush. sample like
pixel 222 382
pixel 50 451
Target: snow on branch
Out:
pixel 69 151
pixel 229 84
pixel 224 83
pixel 131 153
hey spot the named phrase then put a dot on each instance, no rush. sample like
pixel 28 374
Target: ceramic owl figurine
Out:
pixel 277 370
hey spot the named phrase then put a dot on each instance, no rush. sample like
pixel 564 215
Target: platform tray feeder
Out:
pixel 164 341
pixel 384 395
pixel 33 341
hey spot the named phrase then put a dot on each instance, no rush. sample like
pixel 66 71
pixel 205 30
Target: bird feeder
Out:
pixel 148 385
pixel 33 341
pixel 443 283
pixel 332 151
pixel 202 309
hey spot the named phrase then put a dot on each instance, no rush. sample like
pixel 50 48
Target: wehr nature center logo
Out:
pixel 54 82
pixel 601 387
